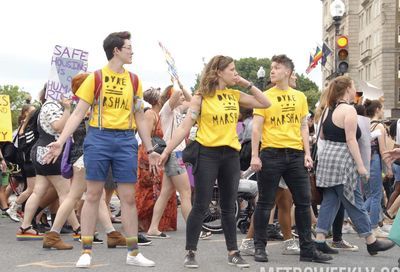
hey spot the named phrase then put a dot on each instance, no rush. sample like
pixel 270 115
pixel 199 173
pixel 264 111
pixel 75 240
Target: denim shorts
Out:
pixel 175 165
pixel 109 148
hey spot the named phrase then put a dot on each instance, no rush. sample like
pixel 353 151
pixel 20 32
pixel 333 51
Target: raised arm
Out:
pixel 257 99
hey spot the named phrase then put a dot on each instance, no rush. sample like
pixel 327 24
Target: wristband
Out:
pixel 148 152
pixel 250 86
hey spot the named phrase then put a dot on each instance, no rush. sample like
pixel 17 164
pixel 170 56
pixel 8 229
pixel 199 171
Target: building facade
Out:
pixel 373 30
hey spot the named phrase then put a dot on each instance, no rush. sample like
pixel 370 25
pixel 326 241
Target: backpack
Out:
pixel 98 86
pixel 29 137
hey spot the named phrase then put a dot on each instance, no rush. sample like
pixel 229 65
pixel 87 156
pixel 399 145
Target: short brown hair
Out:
pixel 115 39
pixel 284 60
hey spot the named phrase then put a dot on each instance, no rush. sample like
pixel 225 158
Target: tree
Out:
pixel 18 98
pixel 310 89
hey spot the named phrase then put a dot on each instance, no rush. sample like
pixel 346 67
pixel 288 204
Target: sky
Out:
pixel 192 31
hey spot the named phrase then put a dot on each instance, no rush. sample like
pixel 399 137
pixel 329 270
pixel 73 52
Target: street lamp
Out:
pixel 337 8
pixel 261 77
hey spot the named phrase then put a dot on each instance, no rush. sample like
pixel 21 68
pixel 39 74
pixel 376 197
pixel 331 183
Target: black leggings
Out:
pixel 338 224
pixel 222 164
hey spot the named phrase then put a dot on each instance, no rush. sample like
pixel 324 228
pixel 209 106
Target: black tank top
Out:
pixel 334 133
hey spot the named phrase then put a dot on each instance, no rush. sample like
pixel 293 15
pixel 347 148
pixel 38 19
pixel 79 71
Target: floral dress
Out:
pixel 148 189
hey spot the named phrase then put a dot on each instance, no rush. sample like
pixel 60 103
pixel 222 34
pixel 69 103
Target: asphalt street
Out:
pixel 169 254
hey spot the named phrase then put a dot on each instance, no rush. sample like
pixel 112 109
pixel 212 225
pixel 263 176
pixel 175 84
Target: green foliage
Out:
pixel 17 99
pixel 312 98
pixel 304 84
pixel 310 89
pixel 248 67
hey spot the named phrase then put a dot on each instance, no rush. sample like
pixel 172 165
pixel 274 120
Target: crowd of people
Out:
pixel 115 150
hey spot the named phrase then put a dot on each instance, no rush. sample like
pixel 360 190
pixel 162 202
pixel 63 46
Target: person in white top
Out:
pixel 175 177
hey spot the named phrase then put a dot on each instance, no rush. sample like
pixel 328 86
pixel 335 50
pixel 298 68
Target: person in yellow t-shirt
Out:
pixel 216 109
pixel 110 142
pixel 284 153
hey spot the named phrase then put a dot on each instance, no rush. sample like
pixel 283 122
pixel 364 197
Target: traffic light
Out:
pixel 342 54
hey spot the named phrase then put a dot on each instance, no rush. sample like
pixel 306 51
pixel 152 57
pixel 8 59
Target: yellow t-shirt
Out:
pixel 282 121
pixel 116 98
pixel 218 119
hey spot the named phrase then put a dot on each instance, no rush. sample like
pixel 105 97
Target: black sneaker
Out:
pixel 190 260
pixel 42 228
pixel 260 255
pixel 236 259
pixel 317 257
pixel 325 248
pixel 96 239
pixel 274 233
pixel 379 245
pixel 143 241
pixel 66 229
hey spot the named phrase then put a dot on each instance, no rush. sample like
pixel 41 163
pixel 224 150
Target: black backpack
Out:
pixel 30 136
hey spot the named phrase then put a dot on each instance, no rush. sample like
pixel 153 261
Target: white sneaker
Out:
pixel 139 260
pixel 386 228
pixel 12 211
pixel 343 245
pixel 247 247
pixel 379 233
pixel 13 215
pixel 84 261
pixel 291 247
pixel 348 229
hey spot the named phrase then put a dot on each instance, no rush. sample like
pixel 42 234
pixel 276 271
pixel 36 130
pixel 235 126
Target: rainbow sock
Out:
pixel 87 242
pixel 132 245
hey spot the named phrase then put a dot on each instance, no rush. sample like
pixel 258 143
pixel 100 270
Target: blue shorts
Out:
pixel 110 148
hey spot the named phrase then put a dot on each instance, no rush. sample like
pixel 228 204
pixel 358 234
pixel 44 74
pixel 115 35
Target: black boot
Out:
pixel 379 245
pixel 324 248
pixel 260 255
pixel 317 257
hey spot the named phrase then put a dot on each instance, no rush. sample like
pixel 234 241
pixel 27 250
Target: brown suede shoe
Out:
pixel 53 239
pixel 115 239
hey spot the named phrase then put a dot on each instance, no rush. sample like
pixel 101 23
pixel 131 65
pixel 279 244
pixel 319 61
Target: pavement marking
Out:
pixel 48 264
pixel 223 240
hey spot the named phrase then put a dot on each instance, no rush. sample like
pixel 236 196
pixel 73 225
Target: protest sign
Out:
pixel 170 63
pixel 5 117
pixel 65 64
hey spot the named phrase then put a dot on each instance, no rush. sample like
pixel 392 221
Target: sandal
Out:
pixel 24 235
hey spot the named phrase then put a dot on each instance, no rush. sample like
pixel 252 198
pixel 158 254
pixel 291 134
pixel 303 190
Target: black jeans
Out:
pixel 289 164
pixel 214 163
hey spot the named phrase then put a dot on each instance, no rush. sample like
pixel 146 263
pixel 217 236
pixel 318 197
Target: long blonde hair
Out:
pixel 321 106
pixel 209 77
